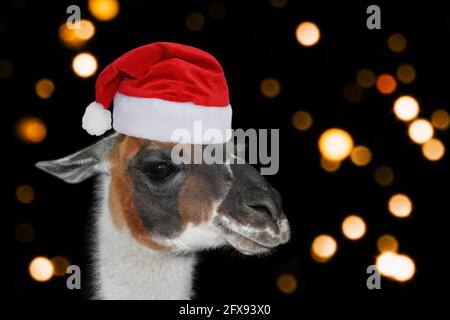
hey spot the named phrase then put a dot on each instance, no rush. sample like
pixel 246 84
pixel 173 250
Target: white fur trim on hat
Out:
pixel 96 119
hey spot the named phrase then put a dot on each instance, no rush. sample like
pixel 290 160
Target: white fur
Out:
pixel 96 119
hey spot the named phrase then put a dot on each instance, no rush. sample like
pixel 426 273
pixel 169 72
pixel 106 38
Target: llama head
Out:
pixel 175 207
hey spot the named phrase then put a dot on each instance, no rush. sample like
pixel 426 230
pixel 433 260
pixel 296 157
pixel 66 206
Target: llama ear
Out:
pixel 81 165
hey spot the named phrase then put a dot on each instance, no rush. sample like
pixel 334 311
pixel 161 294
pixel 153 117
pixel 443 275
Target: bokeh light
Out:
pixel 302 120
pixel 195 21
pixel 279 3
pixel 84 65
pixel 335 144
pixel 31 130
pixel 307 33
pixel 329 166
pixel 41 269
pixel 6 69
pixel 361 156
pixel 44 88
pixel 25 194
pixel 387 243
pixel 398 267
pixel 400 205
pixel 287 283
pixel 406 108
pixel 420 131
pixel 75 38
pixel 217 10
pixel 406 73
pixel 270 87
pixel 433 150
pixel 365 78
pixel 353 227
pixel 24 232
pixel 397 43
pixel 440 119
pixel 60 265
pixel 353 93
pixel 323 248
pixel 386 84
pixel 104 10
pixel 384 176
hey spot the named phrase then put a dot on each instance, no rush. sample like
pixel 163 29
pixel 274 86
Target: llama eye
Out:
pixel 158 170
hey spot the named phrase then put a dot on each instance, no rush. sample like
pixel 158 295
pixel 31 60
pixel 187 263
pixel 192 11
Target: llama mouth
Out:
pixel 246 245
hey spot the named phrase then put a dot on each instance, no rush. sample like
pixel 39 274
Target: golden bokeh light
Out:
pixel 25 194
pixel 41 269
pixel 6 69
pixel 60 265
pixel 433 150
pixel 420 131
pixel 195 21
pixel 335 144
pixel 307 33
pixel 353 227
pixel 75 38
pixel 24 232
pixel 217 10
pixel 270 87
pixel 365 78
pixel 279 3
pixel 84 65
pixel 397 42
pixel 406 73
pixel 31 130
pixel 406 108
pixel 44 88
pixel 287 283
pixel 329 166
pixel 386 84
pixel 361 156
pixel 387 243
pixel 398 267
pixel 302 120
pixel 104 10
pixel 323 248
pixel 400 205
pixel 384 176
pixel 352 93
pixel 440 119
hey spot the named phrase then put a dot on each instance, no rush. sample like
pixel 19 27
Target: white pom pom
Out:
pixel 96 119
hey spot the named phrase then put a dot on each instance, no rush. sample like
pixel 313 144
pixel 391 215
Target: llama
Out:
pixel 155 216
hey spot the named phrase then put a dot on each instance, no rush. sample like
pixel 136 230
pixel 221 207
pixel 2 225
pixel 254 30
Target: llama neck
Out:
pixel 126 269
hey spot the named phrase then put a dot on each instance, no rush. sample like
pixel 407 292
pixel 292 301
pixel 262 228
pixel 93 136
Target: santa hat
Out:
pixel 159 88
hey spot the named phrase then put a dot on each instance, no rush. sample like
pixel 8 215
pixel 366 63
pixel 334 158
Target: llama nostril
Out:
pixel 266 208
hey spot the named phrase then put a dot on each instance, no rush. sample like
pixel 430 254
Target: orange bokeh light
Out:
pixel 386 84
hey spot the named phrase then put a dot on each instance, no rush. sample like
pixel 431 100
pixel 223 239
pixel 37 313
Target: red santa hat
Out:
pixel 159 88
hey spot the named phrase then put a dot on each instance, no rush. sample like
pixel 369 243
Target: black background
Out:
pixel 253 41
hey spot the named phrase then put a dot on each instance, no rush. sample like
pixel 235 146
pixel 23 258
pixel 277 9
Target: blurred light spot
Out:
pixel 387 243
pixel 353 227
pixel 323 248
pixel 270 87
pixel 25 194
pixel 352 93
pixel 60 265
pixel 31 130
pixel 195 21
pixel 44 88
pixel 84 65
pixel 76 38
pixel 397 42
pixel 433 150
pixel 335 144
pixel 396 266
pixel 6 69
pixel 440 119
pixel 104 10
pixel 329 166
pixel 406 108
pixel 287 283
pixel 361 156
pixel 420 131
pixel 400 205
pixel 384 176
pixel 386 84
pixel 24 232
pixel 406 73
pixel 217 10
pixel 307 33
pixel 279 3
pixel 365 78
pixel 302 120
pixel 41 269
